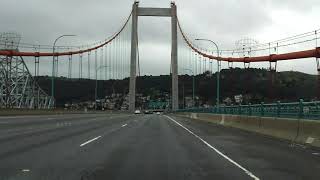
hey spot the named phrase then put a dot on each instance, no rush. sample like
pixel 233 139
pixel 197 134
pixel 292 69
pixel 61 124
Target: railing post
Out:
pixel 250 109
pixel 239 109
pixel 262 108
pixel 301 108
pixel 278 108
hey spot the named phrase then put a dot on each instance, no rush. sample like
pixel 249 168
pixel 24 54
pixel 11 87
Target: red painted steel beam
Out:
pixel 275 57
pixel 271 58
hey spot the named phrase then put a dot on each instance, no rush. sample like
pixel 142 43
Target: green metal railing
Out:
pixel 300 110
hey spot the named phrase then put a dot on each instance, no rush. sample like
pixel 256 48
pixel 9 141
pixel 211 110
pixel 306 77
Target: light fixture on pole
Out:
pixel 96 87
pixel 53 64
pixel 218 69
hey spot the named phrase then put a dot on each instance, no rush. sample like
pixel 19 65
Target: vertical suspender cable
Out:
pixel 95 64
pixel 116 58
pixel 70 66
pixel 106 59
pixel 89 64
pixel 121 55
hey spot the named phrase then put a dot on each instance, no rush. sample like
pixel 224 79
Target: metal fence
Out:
pixel 300 110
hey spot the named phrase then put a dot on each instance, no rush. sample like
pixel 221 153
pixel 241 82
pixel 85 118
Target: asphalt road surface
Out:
pixel 136 147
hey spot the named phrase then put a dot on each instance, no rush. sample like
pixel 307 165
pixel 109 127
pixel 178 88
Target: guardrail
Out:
pixel 300 110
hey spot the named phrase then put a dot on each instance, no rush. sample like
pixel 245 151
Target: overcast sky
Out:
pixel 224 21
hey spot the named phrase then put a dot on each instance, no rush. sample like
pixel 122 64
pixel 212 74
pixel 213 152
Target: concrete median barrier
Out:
pixel 280 128
pixel 309 133
pixel 299 131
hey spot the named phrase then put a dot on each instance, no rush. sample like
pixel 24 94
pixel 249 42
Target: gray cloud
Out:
pixel 295 5
pixel 41 21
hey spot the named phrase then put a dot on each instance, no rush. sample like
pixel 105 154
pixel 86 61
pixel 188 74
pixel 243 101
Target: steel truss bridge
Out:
pixel 119 52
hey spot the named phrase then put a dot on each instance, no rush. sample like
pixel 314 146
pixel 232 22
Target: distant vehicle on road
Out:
pixel 147 112
pixel 137 112
pixel 158 113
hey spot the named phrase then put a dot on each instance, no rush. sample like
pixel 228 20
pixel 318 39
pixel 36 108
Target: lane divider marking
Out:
pixel 216 150
pixel 91 140
pixel 96 138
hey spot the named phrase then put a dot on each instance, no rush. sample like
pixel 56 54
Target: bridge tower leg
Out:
pixel 174 58
pixel 133 62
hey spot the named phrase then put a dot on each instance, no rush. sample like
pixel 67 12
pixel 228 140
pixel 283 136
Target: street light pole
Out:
pixel 53 65
pixel 193 103
pixel 218 69
pixel 96 87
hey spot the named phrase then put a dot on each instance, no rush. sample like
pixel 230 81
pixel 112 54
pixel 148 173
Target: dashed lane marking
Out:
pixel 91 140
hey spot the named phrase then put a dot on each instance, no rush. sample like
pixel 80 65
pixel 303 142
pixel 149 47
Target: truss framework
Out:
pixel 18 89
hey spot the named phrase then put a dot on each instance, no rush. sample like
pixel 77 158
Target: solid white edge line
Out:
pixel 216 150
pixel 124 125
pixel 87 142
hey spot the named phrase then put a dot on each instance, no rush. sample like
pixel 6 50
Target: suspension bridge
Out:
pixel 119 54
pixel 252 141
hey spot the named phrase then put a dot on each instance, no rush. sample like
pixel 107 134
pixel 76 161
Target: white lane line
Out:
pixel 124 125
pixel 216 150
pixel 91 140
